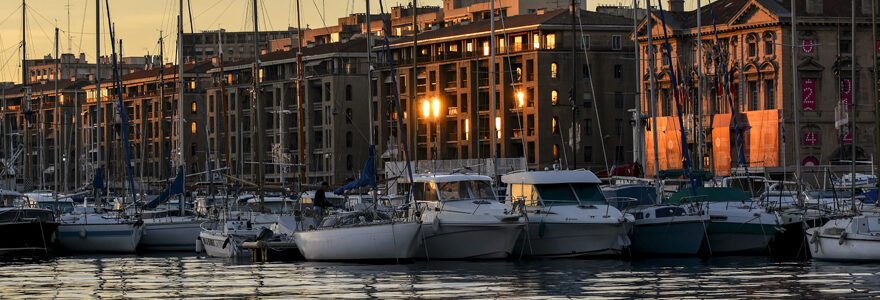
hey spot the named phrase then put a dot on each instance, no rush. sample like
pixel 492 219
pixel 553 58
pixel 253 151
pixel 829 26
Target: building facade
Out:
pixel 335 119
pixel 73 68
pixel 236 45
pixel 755 53
pixel 560 91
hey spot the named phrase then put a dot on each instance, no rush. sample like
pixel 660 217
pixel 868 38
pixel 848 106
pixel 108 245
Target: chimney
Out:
pixel 676 5
pixel 82 58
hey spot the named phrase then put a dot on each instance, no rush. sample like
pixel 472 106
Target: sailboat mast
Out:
pixel 413 102
pixel 370 111
pixel 653 95
pixel 494 124
pixel 180 120
pixel 224 103
pixel 99 133
pixel 573 90
pixel 876 109
pixel 796 111
pixel 852 111
pixel 259 107
pixel 638 143
pixel 162 95
pixel 699 104
pixel 56 118
pixel 299 95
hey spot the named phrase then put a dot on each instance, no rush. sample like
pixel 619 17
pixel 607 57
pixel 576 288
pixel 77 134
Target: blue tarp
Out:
pixel 368 176
pixel 175 188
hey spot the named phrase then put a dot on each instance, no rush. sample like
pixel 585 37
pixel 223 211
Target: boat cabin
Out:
pixel 443 188
pixel 554 188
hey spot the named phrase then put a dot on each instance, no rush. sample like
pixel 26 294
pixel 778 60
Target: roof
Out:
pixel 558 17
pixel 725 10
pixel 551 177
pixel 202 66
pixel 45 87
pixel 353 45
pixel 446 178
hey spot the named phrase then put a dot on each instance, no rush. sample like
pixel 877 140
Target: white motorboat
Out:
pixel 567 214
pixel 226 241
pixel 86 230
pixel 660 229
pixel 166 230
pixel 463 218
pixel 737 224
pixel 360 235
pixel 849 239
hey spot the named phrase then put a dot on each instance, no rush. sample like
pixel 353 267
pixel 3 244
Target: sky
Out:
pixel 138 23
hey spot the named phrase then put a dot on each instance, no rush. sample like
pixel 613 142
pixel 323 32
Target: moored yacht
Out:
pixel 360 235
pixel 847 239
pixel 463 218
pixel 25 230
pixel 88 229
pixel 566 214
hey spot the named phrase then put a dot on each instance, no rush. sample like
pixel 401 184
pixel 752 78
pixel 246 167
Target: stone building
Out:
pixel 237 45
pixel 755 40
pixel 78 68
pixel 335 120
pixel 535 58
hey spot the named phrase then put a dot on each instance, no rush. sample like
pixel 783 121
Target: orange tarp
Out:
pixel 669 145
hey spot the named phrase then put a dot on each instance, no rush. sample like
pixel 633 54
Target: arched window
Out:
pixel 348 92
pixel 554 97
pixel 348 139
pixel 349 164
pixel 194 107
pixel 555 152
pixel 193 127
pixel 554 70
pixel 555 125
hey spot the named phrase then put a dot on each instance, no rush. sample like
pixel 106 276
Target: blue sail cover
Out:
pixel 368 176
pixel 175 188
pixel 98 181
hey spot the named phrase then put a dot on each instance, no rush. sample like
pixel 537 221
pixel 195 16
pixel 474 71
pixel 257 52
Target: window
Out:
pixel 348 139
pixel 588 127
pixel 618 127
pixel 486 48
pixel 348 116
pixel 753 49
pixel 464 103
pixel 554 97
pixel 530 125
pixel 554 70
pixel 555 125
pixel 555 152
pixel 517 43
pixel 753 95
pixel 667 102
pixel 618 100
pixel 618 71
pixel 586 71
pixel 550 41
pixel 193 127
pixel 586 41
pixel 615 42
pixel 525 193
pixel 536 41
pixel 194 107
pixel 588 153
pixel 348 92
pixel 769 94
pixel 349 163
pixel 768 47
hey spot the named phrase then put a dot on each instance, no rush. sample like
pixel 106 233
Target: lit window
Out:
pixel 554 97
pixel 194 108
pixel 536 41
pixel 467 129
pixel 555 124
pixel 193 127
pixel 554 70
pixel 485 48
pixel 550 43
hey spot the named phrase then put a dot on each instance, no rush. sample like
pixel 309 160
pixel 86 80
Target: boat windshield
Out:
pixel 464 190
pixel 556 194
pixel 588 193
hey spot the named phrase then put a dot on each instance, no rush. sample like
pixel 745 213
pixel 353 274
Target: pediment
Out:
pixel 754 13
pixel 808 64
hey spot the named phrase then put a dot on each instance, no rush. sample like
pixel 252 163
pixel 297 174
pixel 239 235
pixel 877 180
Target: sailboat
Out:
pixel 89 228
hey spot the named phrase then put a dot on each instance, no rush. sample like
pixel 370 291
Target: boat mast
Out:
pixel 876 109
pixel 180 121
pixel 493 122
pixel 653 95
pixel 796 91
pixel 26 98
pixel 259 107
pixel 299 95
pixel 699 108
pixel 370 111
pixel 638 153
pixel 852 108
pixel 224 103
pixel 56 118
pixel 162 99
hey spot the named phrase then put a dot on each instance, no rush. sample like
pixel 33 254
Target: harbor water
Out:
pixel 182 275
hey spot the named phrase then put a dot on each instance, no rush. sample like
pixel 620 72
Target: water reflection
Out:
pixel 187 276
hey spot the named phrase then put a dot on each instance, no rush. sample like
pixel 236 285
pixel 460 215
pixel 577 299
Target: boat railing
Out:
pixel 618 201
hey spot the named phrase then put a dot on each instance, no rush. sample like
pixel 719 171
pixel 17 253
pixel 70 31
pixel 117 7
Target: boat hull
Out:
pixel 168 236
pixel 468 241
pixel 853 247
pixel 369 242
pixel 106 237
pixel 220 245
pixel 669 238
pixel 572 239
pixel 738 238
pixel 27 238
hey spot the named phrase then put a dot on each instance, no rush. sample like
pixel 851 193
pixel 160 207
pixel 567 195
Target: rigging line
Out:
pixel 247 13
pixel 203 108
pixel 82 26
pixel 36 12
pixel 10 14
pixel 324 23
pixel 592 92
pixel 207 9
pixel 222 13
pixel 267 20
pixel 30 34
pixel 519 114
pixel 6 62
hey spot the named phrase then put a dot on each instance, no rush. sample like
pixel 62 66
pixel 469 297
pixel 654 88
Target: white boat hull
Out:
pixel 468 241
pixel 368 242
pixel 216 244
pixel 170 236
pixel 573 239
pixel 106 237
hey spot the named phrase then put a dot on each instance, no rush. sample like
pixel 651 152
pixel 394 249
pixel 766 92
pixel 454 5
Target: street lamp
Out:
pixel 520 99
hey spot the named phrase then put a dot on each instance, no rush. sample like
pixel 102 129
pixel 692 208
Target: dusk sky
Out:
pixel 138 23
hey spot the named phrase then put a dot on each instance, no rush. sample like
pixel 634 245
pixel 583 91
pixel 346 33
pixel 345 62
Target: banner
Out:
pixel 807 47
pixel 848 138
pixel 808 94
pixel 846 92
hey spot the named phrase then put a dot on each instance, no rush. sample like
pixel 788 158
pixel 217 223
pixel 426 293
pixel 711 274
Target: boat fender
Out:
pixel 436 224
pixel 815 238
pixel 541 228
pixel 82 233
pixel 842 239
pixel 225 243
pixel 199 245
